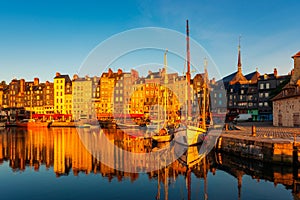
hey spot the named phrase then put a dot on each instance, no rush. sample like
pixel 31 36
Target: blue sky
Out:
pixel 38 38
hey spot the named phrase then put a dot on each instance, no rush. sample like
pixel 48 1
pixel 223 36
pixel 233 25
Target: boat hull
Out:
pixel 38 124
pixel 128 126
pixel 189 136
pixel 162 138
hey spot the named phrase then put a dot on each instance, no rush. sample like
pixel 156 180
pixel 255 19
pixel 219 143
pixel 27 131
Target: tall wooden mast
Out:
pixel 188 73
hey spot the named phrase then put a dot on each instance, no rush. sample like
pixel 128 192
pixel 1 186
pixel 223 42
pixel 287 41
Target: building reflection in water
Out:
pixel 62 150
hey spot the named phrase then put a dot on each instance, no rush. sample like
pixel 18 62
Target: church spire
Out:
pixel 239 56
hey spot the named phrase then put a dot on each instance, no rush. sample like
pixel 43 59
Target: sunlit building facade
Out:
pixel 62 94
pixel 84 91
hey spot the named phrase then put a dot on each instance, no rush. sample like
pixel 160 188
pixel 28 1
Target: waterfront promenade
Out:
pixel 269 144
pixel 266 130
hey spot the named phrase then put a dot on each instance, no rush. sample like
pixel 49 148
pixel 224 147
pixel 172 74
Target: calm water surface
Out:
pixel 54 164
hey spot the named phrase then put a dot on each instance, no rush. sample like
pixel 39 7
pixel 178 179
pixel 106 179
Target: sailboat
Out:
pixel 192 134
pixel 163 134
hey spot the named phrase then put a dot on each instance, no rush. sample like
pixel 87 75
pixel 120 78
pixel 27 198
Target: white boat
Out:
pixel 127 126
pixel 84 126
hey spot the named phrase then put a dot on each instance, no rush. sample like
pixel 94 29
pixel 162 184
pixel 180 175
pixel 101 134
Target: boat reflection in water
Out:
pixel 43 154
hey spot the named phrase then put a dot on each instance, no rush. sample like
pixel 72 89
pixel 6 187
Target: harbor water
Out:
pixel 55 163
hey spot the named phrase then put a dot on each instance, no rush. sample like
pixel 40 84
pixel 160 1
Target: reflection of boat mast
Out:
pixel 158 187
pixel 239 178
pixel 166 183
pixel 188 179
pixel 205 178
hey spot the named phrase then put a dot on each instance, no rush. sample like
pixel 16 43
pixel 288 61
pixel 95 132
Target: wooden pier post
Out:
pixel 253 131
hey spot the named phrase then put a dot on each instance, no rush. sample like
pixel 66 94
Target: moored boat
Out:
pixel 22 123
pixel 127 126
pixel 189 136
pixel 163 135
pixel 37 124
pixel 194 132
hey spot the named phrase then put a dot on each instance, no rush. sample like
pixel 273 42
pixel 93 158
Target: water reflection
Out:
pixel 61 149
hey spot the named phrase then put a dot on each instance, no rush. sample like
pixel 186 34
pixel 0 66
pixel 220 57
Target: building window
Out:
pixel 279 119
pixel 296 119
pixel 267 85
pixel 260 104
pixel 261 86
pixel 266 104
pixel 266 94
pixel 242 91
pixel 261 95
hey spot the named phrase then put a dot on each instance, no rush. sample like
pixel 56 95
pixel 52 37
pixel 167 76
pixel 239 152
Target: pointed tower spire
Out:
pixel 239 56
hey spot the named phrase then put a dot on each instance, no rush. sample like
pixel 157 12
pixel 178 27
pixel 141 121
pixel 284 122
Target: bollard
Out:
pixel 226 127
pixel 253 131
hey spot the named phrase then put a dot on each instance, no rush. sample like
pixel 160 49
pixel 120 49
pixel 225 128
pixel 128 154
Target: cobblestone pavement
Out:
pixel 274 132
pixel 277 132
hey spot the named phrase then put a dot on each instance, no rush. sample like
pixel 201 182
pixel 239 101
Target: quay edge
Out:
pixel 274 150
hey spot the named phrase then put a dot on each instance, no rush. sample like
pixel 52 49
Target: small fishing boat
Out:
pixel 163 136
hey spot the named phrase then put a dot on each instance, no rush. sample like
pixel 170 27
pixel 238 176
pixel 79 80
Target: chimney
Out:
pixel 275 72
pixel 57 74
pixel 75 76
pixel 36 81
pixel 296 71
pixel 120 71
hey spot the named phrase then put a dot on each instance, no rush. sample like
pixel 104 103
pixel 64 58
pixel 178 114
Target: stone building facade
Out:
pixel 286 105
